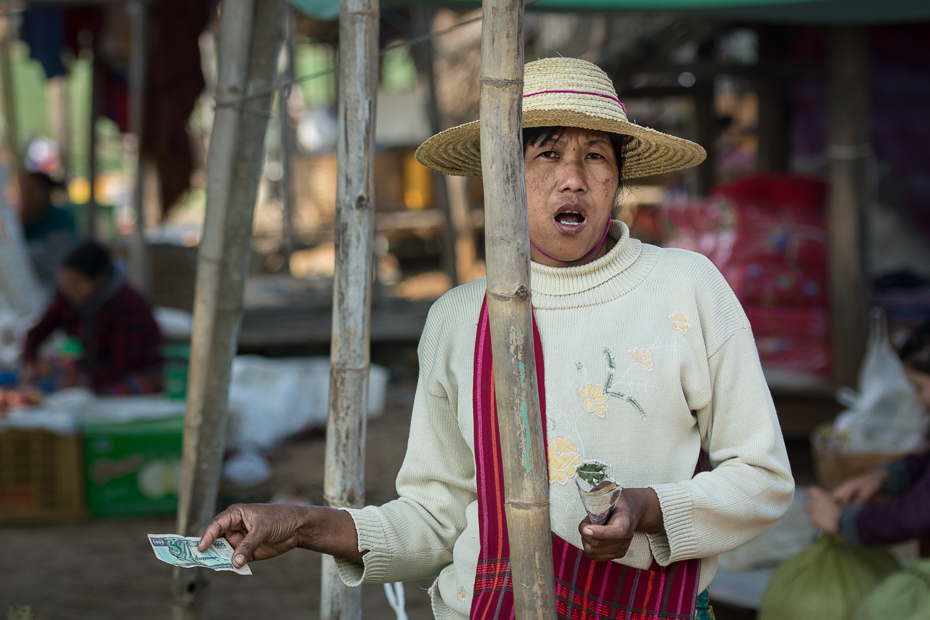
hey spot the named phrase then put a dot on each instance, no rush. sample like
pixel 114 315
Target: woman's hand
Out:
pixel 862 488
pixel 27 373
pixel 824 511
pixel 262 531
pixel 637 510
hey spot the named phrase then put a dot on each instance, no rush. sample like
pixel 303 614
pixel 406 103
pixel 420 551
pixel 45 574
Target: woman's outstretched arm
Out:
pixel 262 531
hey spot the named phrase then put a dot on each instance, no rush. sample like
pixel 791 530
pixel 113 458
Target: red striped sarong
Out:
pixel 584 589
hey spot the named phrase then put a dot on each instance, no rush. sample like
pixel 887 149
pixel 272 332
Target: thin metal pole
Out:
pixel 344 481
pixel 526 481
pixel 251 34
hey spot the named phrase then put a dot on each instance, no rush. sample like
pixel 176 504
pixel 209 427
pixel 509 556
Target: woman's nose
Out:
pixel 572 176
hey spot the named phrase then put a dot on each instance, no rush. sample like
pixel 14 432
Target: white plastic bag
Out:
pixel 884 416
pixel 272 399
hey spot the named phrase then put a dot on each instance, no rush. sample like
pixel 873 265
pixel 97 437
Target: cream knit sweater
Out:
pixel 681 348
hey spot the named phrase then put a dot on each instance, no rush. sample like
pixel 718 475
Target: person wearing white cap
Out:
pixel 648 373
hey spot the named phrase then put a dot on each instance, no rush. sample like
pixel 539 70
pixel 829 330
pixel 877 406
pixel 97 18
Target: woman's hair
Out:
pixel 540 135
pixel 90 259
pixel 915 352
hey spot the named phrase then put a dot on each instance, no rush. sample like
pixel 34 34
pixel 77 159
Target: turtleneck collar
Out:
pixel 614 274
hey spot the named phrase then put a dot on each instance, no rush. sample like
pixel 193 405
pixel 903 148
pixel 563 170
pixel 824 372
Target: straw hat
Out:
pixel 567 92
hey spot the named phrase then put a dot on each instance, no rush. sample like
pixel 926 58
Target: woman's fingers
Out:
pixel 609 541
pixel 221 524
pixel 848 492
pixel 246 548
pixel 824 511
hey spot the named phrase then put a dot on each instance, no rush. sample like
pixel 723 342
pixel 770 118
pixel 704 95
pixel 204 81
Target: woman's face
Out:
pixel 921 383
pixel 571 185
pixel 76 287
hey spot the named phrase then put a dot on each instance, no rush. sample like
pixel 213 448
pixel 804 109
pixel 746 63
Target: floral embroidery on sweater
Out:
pixel 595 400
pixel 563 459
pixel 590 390
pixel 643 357
pixel 680 322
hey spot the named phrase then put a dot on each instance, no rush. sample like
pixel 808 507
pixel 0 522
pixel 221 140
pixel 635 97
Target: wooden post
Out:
pixel 251 34
pixel 141 268
pixel 771 129
pixel 288 142
pixel 56 94
pixel 526 481
pixel 344 478
pixel 705 119
pixel 96 85
pixel 423 53
pixel 848 151
pixel 466 253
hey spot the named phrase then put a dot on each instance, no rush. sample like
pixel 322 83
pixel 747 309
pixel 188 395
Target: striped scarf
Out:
pixel 583 588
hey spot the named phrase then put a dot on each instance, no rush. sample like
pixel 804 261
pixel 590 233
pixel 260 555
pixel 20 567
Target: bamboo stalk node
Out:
pixel 526 505
pixel 351 500
pixel 501 82
pixel 521 294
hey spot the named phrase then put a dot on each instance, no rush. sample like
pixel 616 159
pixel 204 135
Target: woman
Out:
pixel 114 322
pixel 907 515
pixel 648 361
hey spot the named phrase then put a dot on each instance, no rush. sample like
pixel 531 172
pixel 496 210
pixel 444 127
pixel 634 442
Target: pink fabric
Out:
pixel 584 589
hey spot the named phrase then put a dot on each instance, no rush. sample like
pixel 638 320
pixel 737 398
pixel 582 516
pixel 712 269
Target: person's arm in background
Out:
pixel 903 518
pixel 39 332
pixel 889 522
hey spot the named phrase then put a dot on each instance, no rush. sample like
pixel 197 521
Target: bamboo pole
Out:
pixel 251 34
pixel 526 482
pixel 848 151
pixel 344 481
pixel 10 116
pixel 141 267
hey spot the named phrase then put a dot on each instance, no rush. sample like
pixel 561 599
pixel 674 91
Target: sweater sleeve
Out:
pixel 885 523
pixel 41 330
pixel 412 537
pixel 750 484
pixel 917 465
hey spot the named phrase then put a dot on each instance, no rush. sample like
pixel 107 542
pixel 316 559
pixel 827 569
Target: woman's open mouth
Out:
pixel 569 221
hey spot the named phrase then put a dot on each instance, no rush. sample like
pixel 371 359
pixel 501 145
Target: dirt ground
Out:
pixel 98 570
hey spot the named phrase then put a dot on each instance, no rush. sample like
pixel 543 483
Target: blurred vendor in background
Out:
pixel 113 321
pixel 851 510
pixel 50 231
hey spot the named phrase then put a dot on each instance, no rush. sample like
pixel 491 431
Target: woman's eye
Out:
pixel 547 154
pixel 595 156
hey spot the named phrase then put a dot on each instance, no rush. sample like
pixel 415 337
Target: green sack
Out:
pixel 905 595
pixel 826 581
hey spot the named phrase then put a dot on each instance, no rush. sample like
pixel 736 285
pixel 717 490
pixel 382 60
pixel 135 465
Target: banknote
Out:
pixel 182 551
